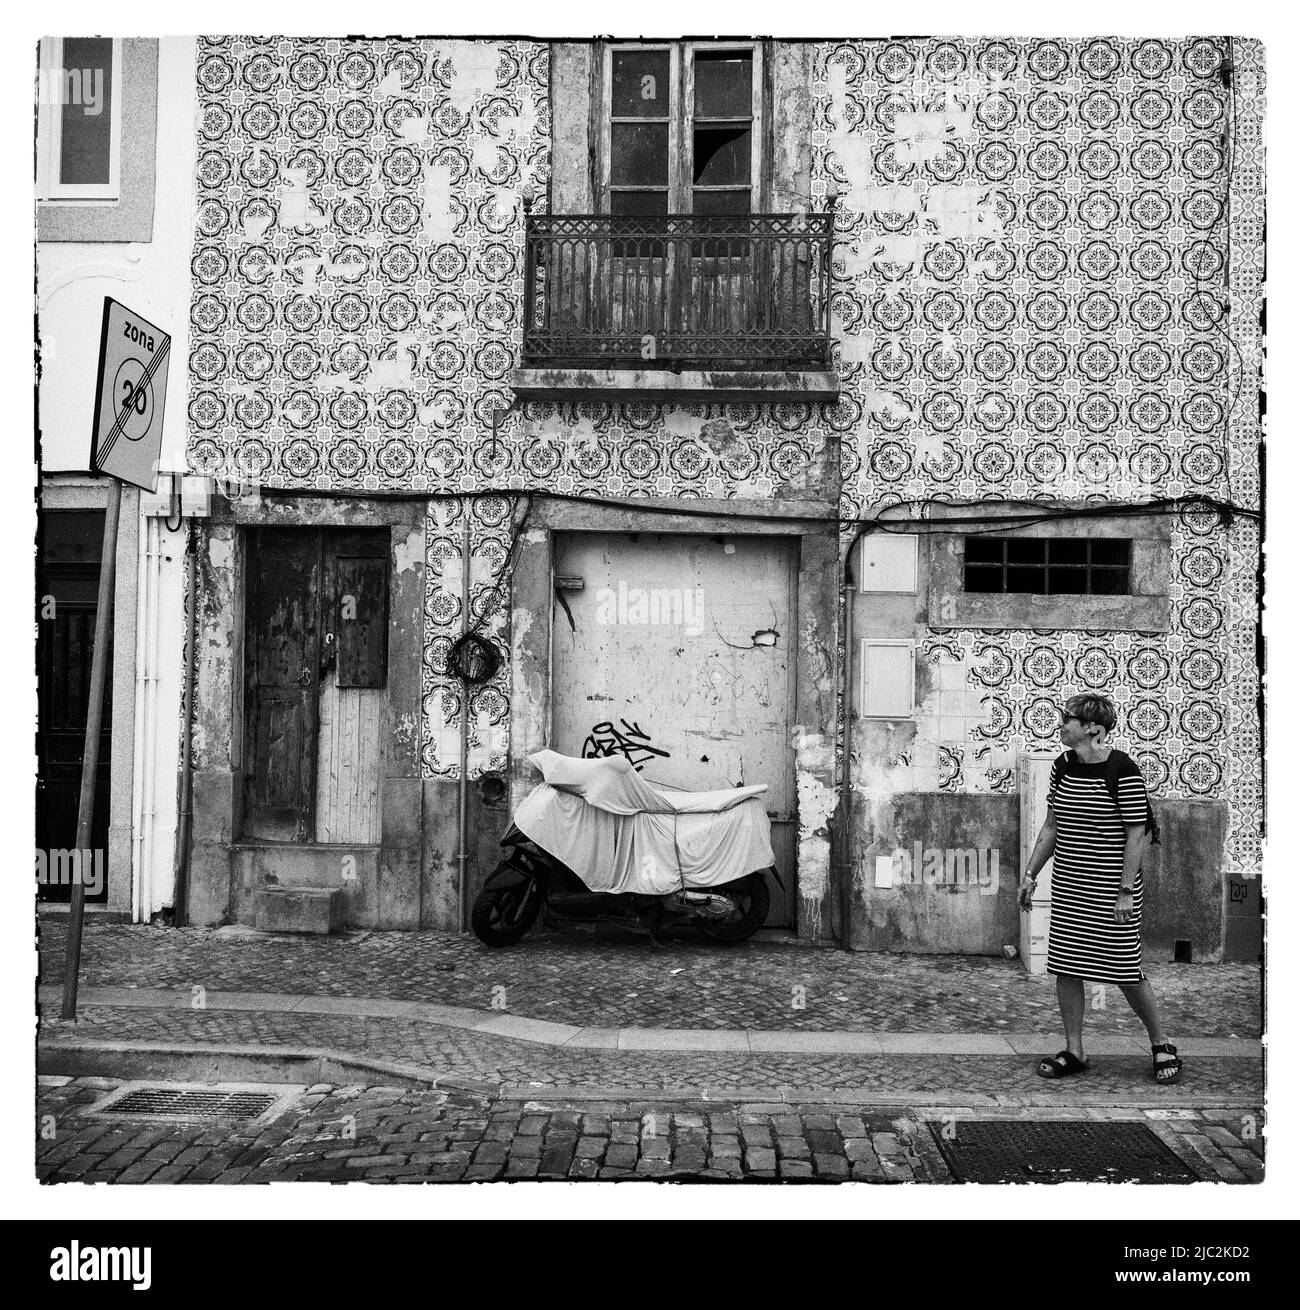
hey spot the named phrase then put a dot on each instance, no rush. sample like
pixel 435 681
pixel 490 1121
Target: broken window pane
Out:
pixel 722 156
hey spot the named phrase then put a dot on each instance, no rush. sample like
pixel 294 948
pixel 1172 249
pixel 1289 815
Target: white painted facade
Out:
pixel 152 278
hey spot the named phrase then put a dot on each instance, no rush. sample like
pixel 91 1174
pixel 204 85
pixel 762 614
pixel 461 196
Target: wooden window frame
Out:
pixel 681 119
pixel 49 136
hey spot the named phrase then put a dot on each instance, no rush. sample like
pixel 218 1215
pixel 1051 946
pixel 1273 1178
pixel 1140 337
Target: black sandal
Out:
pixel 1166 1071
pixel 1061 1065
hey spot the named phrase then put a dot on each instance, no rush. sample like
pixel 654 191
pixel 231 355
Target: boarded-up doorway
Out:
pixel 316 637
pixel 677 651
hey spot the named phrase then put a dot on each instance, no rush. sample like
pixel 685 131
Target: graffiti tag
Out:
pixel 631 741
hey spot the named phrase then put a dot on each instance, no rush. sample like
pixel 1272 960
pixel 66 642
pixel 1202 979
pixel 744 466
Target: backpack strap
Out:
pixel 1115 761
pixel 1064 759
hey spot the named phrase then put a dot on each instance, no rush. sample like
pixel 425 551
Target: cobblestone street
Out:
pixel 388 1134
pixel 508 1064
pixel 427 1057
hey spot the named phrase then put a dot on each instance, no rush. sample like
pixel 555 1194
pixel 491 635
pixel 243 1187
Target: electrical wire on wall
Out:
pixel 996 515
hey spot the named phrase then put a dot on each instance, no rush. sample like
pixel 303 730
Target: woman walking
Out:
pixel 1095 834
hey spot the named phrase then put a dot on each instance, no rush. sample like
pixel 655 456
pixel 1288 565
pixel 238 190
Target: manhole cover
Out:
pixel 1027 1151
pixel 189 1103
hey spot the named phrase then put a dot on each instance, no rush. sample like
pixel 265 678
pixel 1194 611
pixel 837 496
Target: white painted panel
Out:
pixel 347 762
pixel 678 651
pixel 1033 769
pixel 888 679
pixel 887 562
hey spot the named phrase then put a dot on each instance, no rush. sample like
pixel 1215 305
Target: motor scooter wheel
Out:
pixel 752 899
pixel 502 915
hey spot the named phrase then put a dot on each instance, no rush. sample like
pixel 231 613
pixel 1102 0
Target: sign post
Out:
pixel 125 443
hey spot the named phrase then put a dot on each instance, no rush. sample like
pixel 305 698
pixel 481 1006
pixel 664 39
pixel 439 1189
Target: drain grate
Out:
pixel 190 1103
pixel 1028 1151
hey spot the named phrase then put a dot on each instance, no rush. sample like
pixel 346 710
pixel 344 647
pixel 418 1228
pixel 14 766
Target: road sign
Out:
pixel 126 440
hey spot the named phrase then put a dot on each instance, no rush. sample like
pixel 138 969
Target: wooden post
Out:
pixel 90 752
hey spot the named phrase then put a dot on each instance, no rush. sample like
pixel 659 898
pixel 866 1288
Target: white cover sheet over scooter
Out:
pixel 619 833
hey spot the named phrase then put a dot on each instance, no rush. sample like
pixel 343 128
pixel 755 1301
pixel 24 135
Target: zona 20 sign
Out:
pixel 129 393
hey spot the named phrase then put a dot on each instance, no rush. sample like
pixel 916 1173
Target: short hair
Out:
pixel 1093 709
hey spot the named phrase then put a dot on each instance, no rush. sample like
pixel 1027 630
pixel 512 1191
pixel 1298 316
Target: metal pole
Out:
pixel 464 716
pixel 90 752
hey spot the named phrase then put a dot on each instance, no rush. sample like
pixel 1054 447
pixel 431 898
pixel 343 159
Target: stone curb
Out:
pixel 204 1062
pixel 546 1033
pixel 198 1061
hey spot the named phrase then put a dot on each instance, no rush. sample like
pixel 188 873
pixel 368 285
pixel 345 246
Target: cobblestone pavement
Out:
pixel 387 1134
pixel 510 1063
pixel 615 980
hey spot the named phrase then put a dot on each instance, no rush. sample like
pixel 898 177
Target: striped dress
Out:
pixel 1084 941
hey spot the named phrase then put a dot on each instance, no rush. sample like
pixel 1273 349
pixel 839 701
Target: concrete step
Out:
pixel 298 909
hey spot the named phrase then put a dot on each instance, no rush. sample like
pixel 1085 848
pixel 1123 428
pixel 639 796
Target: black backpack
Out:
pixel 1114 762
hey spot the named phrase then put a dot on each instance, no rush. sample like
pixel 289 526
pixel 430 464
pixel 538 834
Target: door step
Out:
pixel 298 909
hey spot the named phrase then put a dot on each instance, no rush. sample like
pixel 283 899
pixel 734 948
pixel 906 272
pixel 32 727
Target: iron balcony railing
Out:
pixel 736 291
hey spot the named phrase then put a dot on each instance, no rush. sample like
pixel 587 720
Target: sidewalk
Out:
pixel 615 981
pixel 602 1017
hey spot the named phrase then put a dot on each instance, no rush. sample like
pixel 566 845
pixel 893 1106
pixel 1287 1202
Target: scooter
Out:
pixel 595 841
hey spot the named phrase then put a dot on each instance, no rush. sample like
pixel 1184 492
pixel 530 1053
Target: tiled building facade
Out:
pixel 1043 294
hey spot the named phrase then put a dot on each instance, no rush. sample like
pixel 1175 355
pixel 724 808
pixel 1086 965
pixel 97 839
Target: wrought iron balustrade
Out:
pixel 677 291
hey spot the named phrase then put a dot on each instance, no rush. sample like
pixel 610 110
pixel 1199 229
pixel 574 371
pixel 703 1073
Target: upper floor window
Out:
pixel 1049 566
pixel 681 129
pixel 79 119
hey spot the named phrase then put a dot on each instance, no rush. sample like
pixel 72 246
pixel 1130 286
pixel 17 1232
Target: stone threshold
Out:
pixel 756 1041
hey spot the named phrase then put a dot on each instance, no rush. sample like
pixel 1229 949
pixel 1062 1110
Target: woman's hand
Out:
pixel 1124 907
pixel 1027 885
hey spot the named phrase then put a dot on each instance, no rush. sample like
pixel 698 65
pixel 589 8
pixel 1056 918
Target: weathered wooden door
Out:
pixel 282 640
pixel 316 636
pixel 677 651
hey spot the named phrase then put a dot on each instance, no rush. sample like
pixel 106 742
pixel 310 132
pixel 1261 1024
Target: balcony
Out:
pixel 690 306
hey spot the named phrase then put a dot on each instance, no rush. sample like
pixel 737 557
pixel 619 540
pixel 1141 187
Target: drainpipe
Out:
pixel 140 729
pixel 846 788
pixel 181 895
pixel 148 571
pixel 464 719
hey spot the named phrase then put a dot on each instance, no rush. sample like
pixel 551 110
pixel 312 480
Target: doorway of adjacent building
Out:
pixel 67 599
pixel 316 665
pixel 677 651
